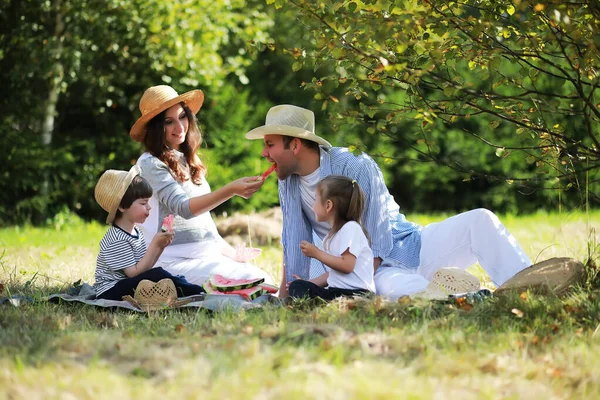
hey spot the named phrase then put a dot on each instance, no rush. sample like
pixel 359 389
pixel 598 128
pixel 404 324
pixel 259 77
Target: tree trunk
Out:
pixel 56 78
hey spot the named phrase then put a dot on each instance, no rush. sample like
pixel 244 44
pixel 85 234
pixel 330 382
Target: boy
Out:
pixel 123 260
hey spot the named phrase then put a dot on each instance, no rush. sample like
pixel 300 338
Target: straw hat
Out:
pixel 156 295
pixel 556 275
pixel 447 281
pixel 288 120
pixel 111 188
pixel 156 100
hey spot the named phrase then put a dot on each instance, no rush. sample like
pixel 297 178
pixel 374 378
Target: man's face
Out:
pixel 274 151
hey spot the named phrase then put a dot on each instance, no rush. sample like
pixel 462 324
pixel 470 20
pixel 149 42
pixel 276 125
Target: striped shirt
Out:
pixel 392 236
pixel 118 250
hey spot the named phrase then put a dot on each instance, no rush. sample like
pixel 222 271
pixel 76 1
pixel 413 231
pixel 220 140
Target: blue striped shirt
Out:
pixel 392 236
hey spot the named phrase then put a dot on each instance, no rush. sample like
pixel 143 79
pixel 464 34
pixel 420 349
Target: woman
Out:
pixel 171 137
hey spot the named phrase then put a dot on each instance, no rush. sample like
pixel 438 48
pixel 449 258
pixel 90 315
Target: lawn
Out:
pixel 514 347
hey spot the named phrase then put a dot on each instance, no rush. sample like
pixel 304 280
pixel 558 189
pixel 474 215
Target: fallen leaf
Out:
pixel 554 372
pixel 517 312
pixel 179 328
pixel 247 330
pixel 523 296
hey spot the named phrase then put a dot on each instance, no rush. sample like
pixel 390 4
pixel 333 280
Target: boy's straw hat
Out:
pixel 288 120
pixel 156 100
pixel 111 188
pixel 447 281
pixel 156 295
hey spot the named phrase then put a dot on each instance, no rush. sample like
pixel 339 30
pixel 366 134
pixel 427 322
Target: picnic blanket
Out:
pixel 85 294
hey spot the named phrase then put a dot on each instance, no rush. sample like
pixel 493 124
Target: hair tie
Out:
pixel 353 182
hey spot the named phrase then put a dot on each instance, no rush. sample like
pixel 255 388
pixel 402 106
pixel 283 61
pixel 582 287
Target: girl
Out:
pixel 340 202
pixel 170 134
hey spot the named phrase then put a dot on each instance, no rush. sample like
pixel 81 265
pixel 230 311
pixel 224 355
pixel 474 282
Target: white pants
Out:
pixel 459 241
pixel 198 270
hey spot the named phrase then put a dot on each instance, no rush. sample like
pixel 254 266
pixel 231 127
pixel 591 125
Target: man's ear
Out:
pixel 295 145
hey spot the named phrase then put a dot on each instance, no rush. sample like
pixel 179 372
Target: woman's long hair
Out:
pixel 155 144
pixel 348 202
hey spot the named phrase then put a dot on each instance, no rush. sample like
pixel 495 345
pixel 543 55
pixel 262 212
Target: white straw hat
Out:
pixel 156 100
pixel 288 120
pixel 111 188
pixel 448 281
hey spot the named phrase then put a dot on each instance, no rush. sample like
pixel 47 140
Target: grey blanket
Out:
pixel 86 294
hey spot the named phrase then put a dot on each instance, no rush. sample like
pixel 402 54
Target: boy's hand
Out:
pixel 309 249
pixel 162 239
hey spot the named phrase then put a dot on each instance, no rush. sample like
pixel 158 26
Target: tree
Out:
pixel 73 72
pixel 519 76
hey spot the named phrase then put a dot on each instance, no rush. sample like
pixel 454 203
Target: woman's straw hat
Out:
pixel 447 281
pixel 156 100
pixel 111 188
pixel 288 120
pixel 156 295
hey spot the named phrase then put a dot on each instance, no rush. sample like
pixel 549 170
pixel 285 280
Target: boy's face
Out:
pixel 138 212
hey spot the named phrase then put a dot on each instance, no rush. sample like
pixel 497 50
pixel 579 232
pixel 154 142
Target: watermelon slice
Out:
pixel 223 284
pixel 269 288
pixel 249 293
pixel 268 172
pixel 167 225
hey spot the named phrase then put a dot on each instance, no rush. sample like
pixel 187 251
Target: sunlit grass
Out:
pixel 516 347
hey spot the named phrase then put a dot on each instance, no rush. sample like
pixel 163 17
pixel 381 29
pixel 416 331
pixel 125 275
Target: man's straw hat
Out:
pixel 156 100
pixel 111 188
pixel 448 281
pixel 556 275
pixel 288 120
pixel 156 295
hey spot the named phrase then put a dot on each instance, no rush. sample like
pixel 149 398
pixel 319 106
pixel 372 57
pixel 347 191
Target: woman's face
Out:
pixel 176 126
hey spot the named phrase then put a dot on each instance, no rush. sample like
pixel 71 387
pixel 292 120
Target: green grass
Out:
pixel 511 347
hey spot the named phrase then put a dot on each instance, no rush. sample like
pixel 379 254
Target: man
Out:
pixel 406 255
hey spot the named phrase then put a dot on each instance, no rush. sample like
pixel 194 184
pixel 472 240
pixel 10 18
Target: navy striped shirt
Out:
pixel 392 236
pixel 118 250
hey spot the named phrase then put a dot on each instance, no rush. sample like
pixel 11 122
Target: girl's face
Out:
pixel 176 126
pixel 323 210
pixel 138 212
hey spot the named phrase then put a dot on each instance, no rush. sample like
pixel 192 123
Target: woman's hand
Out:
pixel 162 239
pixel 309 249
pixel 246 187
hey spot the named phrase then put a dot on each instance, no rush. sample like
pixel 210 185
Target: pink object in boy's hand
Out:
pixel 245 254
pixel 167 225
pixel 268 172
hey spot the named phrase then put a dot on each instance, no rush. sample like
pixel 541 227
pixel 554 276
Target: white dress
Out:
pixel 196 249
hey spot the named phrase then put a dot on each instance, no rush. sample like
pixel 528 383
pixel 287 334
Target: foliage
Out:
pixel 519 77
pixel 102 55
